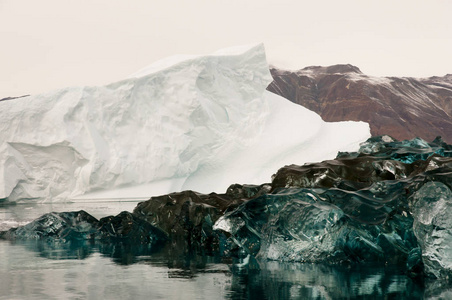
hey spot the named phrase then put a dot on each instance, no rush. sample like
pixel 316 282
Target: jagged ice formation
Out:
pixel 198 123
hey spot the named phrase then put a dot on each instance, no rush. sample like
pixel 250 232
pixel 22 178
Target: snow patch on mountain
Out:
pixel 200 123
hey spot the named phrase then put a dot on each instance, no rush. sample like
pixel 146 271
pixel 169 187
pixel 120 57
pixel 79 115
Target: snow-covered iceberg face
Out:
pixel 201 123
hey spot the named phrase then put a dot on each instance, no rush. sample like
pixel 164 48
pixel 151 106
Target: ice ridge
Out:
pixel 200 123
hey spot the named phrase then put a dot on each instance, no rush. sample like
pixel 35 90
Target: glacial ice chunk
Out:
pixel 432 213
pixel 201 123
pixel 64 226
pixel 76 226
pixel 302 231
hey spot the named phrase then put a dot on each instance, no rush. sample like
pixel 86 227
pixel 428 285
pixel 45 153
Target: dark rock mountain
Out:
pixel 402 107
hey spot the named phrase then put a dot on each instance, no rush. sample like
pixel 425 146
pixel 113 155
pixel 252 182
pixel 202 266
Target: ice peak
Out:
pixel 175 60
pixel 202 122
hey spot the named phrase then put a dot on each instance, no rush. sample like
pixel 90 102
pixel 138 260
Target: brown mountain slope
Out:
pixel 401 107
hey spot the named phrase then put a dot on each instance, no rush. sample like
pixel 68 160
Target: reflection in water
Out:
pixel 182 275
pixel 121 253
pixel 308 281
pixel 81 270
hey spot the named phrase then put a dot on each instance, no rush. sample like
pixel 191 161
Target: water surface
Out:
pixel 36 270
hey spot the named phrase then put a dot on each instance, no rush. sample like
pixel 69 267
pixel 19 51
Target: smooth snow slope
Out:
pixel 202 123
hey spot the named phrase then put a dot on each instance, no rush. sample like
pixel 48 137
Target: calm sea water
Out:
pixel 38 271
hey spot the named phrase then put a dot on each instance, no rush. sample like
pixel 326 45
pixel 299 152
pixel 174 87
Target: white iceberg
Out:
pixel 201 123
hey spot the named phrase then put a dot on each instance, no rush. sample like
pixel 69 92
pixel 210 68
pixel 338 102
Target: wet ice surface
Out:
pixel 33 270
pixel 20 214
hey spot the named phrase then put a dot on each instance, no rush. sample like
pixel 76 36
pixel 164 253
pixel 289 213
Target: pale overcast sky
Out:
pixel 49 44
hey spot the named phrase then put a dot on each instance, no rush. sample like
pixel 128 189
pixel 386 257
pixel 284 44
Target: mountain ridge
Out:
pixel 403 107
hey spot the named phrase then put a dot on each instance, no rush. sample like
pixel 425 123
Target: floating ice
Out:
pixel 200 123
pixel 360 212
pixel 361 207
